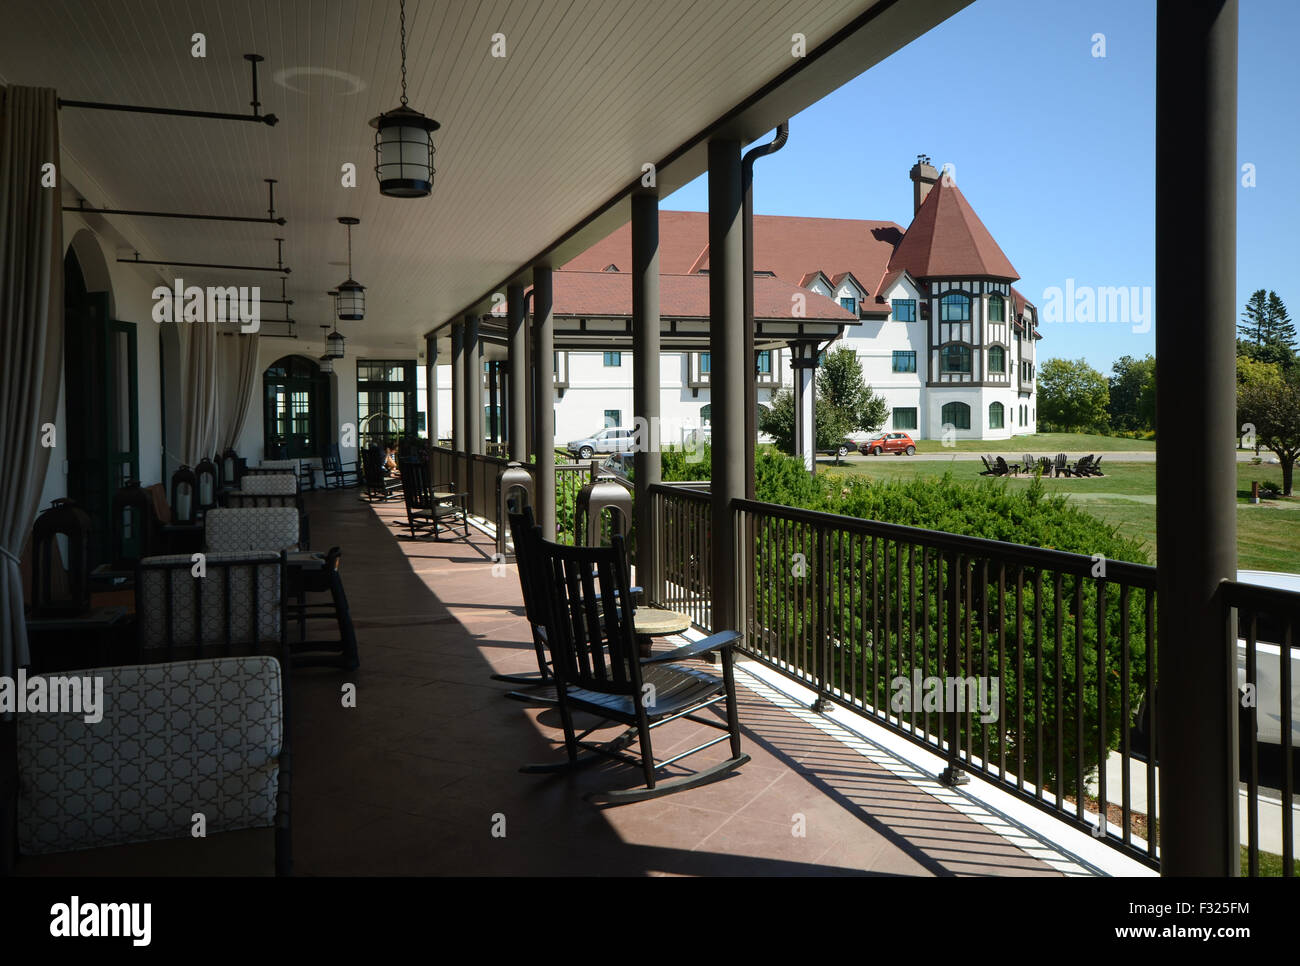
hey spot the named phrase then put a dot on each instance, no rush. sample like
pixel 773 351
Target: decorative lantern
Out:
pixel 327 360
pixel 334 345
pixel 350 299
pixel 133 525
pixel 404 144
pixel 601 494
pixel 184 505
pixel 231 465
pixel 206 475
pixel 61 561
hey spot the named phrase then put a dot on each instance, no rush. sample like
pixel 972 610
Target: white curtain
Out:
pixel 200 394
pixel 239 384
pixel 31 332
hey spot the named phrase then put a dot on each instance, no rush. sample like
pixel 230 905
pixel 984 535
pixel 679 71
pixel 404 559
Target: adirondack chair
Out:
pixel 335 472
pixel 426 511
pixel 598 670
pixel 1083 466
pixel 380 487
pixel 1062 465
pixel 1028 462
pixel 1096 467
pixel 989 469
pixel 1045 465
pixel 1004 468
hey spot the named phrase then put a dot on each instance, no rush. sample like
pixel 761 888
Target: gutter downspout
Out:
pixel 751 391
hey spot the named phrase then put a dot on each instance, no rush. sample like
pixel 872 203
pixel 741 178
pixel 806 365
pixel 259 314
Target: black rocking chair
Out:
pixel 598 669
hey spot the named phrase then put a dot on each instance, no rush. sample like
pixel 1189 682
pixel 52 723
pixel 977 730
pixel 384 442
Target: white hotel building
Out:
pixel 930 310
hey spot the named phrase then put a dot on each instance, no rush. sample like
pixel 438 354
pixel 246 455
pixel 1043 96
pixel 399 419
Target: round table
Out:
pixel 652 622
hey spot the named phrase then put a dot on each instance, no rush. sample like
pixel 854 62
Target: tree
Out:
pixel 1272 407
pixel 1127 390
pixel 843 404
pixel 1266 332
pixel 1072 395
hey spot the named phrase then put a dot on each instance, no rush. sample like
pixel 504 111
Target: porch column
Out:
pixel 517 393
pixel 646 382
pixel 543 398
pixel 494 402
pixel 1196 406
pixel 431 386
pixel 473 362
pixel 458 387
pixel 727 375
pixel 803 360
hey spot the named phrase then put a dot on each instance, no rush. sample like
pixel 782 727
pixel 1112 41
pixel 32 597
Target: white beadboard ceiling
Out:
pixel 530 144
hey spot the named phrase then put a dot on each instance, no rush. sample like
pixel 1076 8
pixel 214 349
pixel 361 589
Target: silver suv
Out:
pixel 611 440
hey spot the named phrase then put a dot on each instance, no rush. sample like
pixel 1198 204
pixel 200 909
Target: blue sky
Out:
pixel 1053 147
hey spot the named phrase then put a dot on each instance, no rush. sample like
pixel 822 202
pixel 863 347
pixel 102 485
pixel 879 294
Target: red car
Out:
pixel 897 443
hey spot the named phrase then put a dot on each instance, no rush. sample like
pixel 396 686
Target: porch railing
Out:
pixel 1263 624
pixel 685 562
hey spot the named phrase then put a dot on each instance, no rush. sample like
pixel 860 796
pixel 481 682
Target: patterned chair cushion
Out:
pixel 176 739
pixel 293 466
pixel 251 528
pixel 270 484
pixel 255 599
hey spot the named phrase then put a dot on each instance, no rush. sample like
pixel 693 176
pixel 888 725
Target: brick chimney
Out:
pixel 923 175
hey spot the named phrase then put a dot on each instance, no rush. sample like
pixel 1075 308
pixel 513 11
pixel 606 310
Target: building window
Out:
pixel 954 307
pixel 849 303
pixel 613 417
pixel 613 359
pixel 705 365
pixel 996 415
pixel 956 414
pixel 956 358
pixel 997 359
pixel 904 418
pixel 997 309
pixel 764 364
pixel 904 361
pixel 386 400
pixel 904 310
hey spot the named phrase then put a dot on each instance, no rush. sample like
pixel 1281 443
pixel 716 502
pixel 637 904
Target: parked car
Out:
pixel 620 464
pixel 612 439
pixel 896 443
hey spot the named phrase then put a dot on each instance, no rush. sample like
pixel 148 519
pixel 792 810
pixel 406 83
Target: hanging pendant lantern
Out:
pixel 404 144
pixel 335 345
pixel 327 360
pixel 350 300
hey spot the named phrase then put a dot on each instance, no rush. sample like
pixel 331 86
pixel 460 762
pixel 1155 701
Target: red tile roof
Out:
pixel 792 248
pixel 946 238
pixel 599 294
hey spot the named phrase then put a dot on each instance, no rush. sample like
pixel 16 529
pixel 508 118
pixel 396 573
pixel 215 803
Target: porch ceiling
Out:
pixel 531 145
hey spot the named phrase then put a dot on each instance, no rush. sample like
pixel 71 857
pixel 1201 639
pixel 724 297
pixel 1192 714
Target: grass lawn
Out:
pixel 1040 444
pixel 1268 535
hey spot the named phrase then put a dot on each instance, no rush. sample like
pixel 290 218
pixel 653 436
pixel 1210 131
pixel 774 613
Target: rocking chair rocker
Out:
pixel 598 669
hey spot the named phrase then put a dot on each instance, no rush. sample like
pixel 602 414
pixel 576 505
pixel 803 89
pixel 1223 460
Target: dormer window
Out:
pixel 850 304
pixel 954 307
pixel 997 309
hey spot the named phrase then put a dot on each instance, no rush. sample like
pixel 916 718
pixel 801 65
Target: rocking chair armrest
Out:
pixel 713 642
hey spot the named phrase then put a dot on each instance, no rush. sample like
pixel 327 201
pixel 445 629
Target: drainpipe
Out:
pixel 751 390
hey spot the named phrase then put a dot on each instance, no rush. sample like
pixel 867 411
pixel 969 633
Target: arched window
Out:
pixel 996 415
pixel 997 359
pixel 997 308
pixel 294 404
pixel 954 307
pixel 956 414
pixel 956 358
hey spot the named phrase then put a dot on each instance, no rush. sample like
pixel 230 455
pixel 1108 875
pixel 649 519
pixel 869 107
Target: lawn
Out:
pixel 1268 535
pixel 1041 444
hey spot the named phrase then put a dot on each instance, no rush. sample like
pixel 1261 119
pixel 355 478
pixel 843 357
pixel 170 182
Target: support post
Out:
pixel 646 382
pixel 727 376
pixel 458 387
pixel 494 402
pixel 473 361
pixel 517 393
pixel 543 398
pixel 431 386
pixel 803 360
pixel 1196 526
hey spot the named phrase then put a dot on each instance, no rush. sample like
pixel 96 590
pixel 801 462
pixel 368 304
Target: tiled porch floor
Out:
pixel 417 777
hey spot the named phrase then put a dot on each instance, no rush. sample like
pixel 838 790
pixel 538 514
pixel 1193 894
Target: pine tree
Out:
pixel 1266 333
